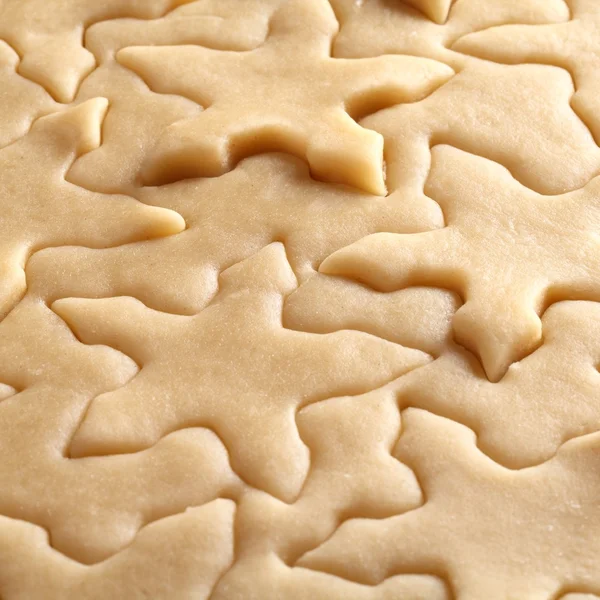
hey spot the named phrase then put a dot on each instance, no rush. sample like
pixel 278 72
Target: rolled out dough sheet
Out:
pixel 299 299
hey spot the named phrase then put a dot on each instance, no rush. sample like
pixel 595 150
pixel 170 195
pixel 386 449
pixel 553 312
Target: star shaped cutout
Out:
pixel 136 113
pixel 547 398
pixel 371 28
pixel 537 137
pixel 183 555
pixel 573 45
pixel 436 10
pixel 41 209
pixel 265 198
pixel 22 100
pixel 507 250
pixel 352 472
pixel 232 367
pixel 45 366
pixel 252 100
pixel 49 37
pixel 493 531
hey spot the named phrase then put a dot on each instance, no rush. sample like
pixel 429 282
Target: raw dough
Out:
pixel 265 198
pixel 229 355
pixel 299 299
pixel 574 46
pixel 49 35
pixel 21 100
pixel 40 209
pixel 376 27
pixel 499 534
pixel 274 103
pixel 186 468
pixel 507 250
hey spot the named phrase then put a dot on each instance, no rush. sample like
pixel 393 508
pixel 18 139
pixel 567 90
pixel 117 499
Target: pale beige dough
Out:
pixel 493 531
pixel 135 116
pixel 21 100
pixel 299 300
pixel 537 137
pixel 549 397
pixel 267 578
pixel 343 480
pixel 48 36
pixel 414 317
pixel 574 45
pixel 219 24
pixel 375 27
pixel 6 391
pixel 436 10
pixel 53 393
pixel 294 115
pixel 507 250
pixel 185 554
pixel 41 209
pixel 229 218
pixel 128 129
pixel 229 354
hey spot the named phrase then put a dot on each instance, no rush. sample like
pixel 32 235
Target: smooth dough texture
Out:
pixel 299 299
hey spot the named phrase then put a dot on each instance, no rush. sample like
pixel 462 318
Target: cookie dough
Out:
pixel 299 299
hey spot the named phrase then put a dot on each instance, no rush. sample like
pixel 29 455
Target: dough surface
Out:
pixel 299 299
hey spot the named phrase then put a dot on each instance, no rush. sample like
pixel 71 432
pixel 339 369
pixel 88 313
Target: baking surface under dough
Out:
pixel 299 299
